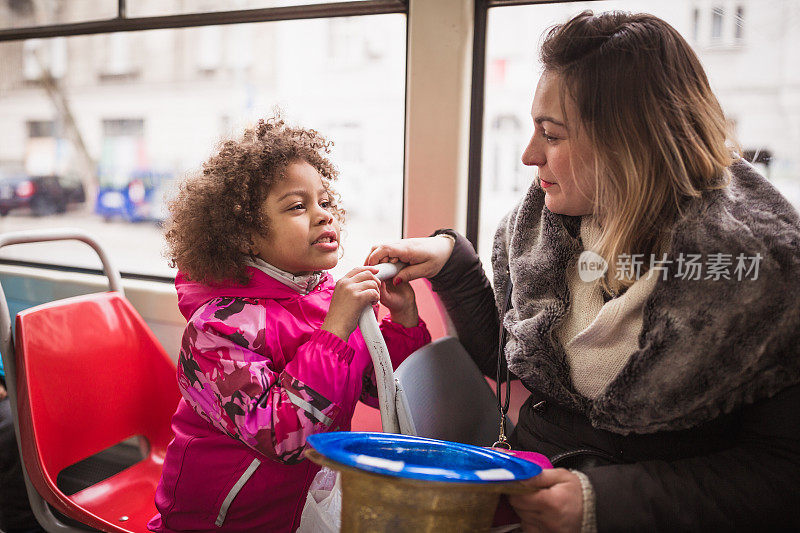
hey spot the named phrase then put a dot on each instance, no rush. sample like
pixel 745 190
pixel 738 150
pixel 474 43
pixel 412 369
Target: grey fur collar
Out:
pixel 706 346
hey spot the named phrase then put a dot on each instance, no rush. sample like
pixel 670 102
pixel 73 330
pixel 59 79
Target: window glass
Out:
pixel 28 13
pixel 150 8
pixel 750 56
pixel 95 134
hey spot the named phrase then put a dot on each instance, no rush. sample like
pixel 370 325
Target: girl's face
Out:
pixel 304 234
pixel 560 151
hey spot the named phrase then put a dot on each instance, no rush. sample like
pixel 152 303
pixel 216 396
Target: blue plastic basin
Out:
pixel 420 458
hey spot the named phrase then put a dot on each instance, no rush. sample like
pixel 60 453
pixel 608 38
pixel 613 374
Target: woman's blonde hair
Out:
pixel 658 132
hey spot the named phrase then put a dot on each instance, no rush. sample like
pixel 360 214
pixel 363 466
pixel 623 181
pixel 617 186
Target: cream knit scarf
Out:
pixel 599 337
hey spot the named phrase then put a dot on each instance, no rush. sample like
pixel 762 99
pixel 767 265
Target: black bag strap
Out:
pixel 502 372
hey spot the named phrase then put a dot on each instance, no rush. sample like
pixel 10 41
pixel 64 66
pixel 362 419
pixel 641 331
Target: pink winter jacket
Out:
pixel 258 376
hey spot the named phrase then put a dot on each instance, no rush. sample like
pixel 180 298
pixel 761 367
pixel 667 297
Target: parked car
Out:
pixel 44 195
pixel 136 197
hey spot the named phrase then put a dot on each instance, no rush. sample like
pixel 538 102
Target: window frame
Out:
pixel 475 118
pixel 474 177
pixel 122 23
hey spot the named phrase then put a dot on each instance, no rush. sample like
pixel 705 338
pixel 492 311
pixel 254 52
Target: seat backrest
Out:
pixel 442 394
pixel 90 374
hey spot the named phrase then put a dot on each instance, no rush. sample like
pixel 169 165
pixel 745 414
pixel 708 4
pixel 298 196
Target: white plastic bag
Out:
pixel 323 510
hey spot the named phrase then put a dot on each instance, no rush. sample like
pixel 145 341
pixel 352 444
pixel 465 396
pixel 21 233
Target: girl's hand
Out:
pixel 425 256
pixel 355 291
pixel 401 302
pixel 555 502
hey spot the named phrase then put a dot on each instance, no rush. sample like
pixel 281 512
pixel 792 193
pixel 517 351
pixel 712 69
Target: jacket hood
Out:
pixel 193 294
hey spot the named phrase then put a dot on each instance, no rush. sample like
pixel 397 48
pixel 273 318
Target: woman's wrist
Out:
pixel 446 240
pixel 446 235
pixel 450 237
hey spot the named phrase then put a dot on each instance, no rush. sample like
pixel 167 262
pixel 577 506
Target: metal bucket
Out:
pixel 373 502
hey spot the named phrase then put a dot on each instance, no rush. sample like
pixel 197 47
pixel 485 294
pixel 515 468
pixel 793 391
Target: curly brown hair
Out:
pixel 216 210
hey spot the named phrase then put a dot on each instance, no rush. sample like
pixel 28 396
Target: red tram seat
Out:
pixel 91 374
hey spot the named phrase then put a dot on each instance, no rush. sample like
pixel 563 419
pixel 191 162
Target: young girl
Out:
pixel 271 353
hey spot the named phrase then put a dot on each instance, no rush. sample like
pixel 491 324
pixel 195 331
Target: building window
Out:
pixel 209 50
pixel 345 45
pixel 123 127
pixel 717 16
pixel 124 152
pixel 240 42
pixel 738 31
pixel 40 56
pixel 119 61
pixel 506 174
pixel 761 158
pixel 41 128
pixel 45 152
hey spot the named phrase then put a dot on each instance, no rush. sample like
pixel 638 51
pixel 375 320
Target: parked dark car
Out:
pixel 44 195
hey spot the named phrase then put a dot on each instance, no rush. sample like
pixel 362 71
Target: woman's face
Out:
pixel 560 150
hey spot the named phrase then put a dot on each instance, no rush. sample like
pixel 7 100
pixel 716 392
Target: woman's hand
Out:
pixel 425 256
pixel 355 291
pixel 555 502
pixel 401 302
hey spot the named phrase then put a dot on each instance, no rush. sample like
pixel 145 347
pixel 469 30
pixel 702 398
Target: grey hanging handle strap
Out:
pixel 384 372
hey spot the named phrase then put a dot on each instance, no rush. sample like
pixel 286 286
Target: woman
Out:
pixel 670 382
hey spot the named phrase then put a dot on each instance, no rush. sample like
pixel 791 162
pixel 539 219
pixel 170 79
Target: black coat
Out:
pixel 738 471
